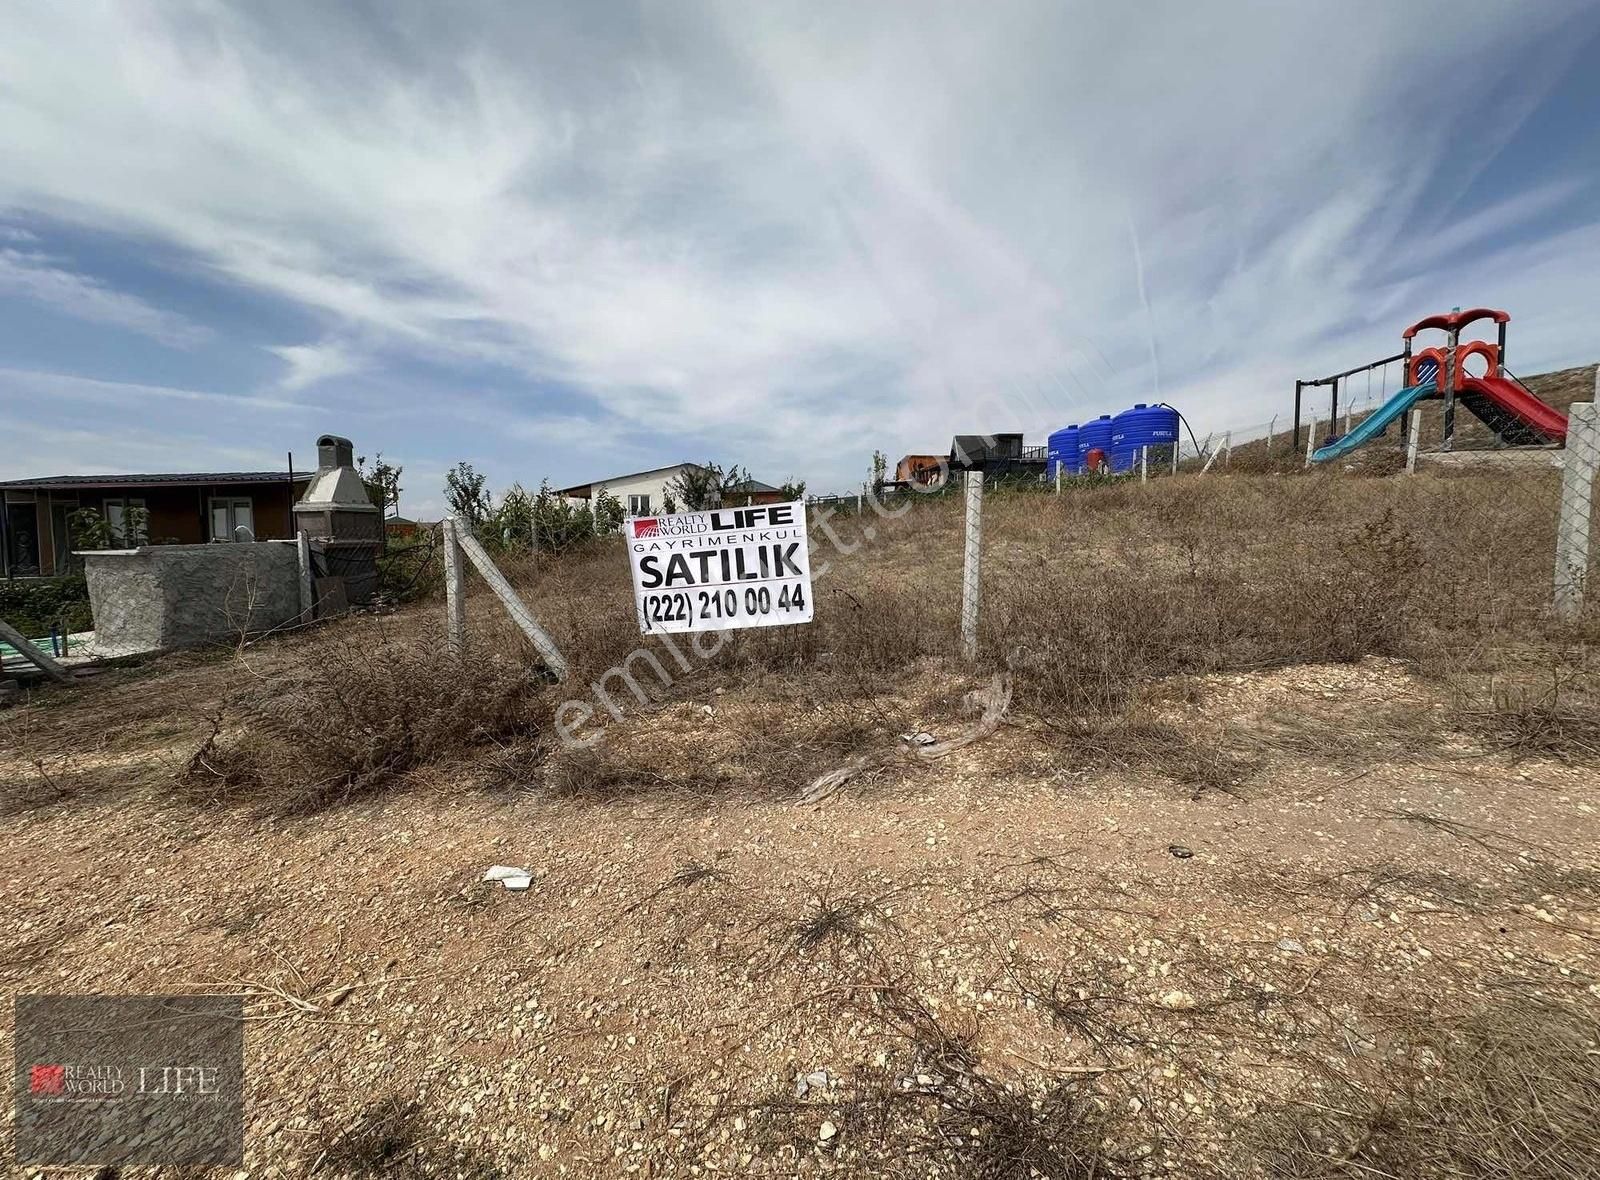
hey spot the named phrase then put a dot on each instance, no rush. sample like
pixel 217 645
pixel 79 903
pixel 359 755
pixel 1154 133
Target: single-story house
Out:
pixel 190 509
pixel 644 493
pixel 403 528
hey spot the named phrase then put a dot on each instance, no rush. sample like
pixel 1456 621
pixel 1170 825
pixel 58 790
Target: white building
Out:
pixel 644 493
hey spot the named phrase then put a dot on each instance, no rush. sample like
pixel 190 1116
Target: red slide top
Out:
pixel 1456 320
pixel 1520 405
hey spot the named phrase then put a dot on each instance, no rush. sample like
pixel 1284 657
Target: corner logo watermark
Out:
pixel 111 1080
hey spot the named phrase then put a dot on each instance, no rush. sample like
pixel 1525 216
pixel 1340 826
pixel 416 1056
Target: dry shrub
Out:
pixel 958 1114
pixel 1093 595
pixel 1509 1092
pixel 934 1107
pixel 1555 713
pixel 355 712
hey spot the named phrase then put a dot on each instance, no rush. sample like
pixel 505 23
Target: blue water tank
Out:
pixel 1094 435
pixel 1061 450
pixel 1141 426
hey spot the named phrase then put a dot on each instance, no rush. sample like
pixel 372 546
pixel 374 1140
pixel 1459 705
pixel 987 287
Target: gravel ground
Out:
pixel 974 967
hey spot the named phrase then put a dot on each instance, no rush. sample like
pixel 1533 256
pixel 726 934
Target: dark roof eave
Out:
pixel 198 479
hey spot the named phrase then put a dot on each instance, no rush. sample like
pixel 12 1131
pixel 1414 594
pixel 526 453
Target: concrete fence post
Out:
pixel 1058 477
pixel 520 614
pixel 1144 464
pixel 455 590
pixel 1272 429
pixel 971 578
pixel 1311 439
pixel 308 603
pixel 1411 440
pixel 1579 462
pixel 32 654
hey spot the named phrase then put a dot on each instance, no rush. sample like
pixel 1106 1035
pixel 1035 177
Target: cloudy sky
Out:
pixel 573 240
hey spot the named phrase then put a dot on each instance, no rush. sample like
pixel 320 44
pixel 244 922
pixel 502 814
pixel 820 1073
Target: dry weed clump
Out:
pixel 1507 1092
pixel 1093 596
pixel 1555 713
pixel 354 712
pixel 390 1137
pixel 933 1107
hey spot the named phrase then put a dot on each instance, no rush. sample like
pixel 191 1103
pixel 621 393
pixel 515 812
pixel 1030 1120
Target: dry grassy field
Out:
pixel 1280 863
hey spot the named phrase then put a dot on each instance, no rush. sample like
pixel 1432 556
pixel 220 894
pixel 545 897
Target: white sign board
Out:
pixel 711 571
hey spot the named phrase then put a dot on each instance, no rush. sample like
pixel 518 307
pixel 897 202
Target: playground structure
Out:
pixel 1514 413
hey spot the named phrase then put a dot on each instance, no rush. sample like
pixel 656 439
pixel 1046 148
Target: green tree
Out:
pixel 880 468
pixel 706 485
pixel 511 525
pixel 90 530
pixel 607 512
pixel 383 482
pixel 561 522
pixel 466 495
pixel 794 489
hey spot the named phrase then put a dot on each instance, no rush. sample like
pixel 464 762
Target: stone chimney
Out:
pixel 344 525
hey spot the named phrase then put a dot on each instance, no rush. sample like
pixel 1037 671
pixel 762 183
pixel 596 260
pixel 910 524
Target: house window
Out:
pixel 228 515
pixel 129 521
pixel 639 505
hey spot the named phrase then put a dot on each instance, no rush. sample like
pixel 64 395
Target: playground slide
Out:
pixel 1512 412
pixel 1374 423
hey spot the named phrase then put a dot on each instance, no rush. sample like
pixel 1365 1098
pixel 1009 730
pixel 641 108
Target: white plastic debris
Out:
pixel 510 876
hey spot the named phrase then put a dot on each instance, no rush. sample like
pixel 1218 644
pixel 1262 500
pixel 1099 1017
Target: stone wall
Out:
pixel 165 596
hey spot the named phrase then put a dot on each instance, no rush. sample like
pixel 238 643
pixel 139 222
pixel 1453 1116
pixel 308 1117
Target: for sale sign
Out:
pixel 710 571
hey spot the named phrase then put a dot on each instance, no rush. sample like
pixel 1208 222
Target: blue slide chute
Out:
pixel 1376 422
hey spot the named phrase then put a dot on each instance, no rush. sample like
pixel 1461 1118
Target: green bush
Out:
pixel 34 605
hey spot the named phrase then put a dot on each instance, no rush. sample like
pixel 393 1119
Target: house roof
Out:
pixel 753 485
pixel 171 480
pixel 585 489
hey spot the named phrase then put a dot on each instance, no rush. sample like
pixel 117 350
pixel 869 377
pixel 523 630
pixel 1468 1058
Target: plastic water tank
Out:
pixel 1141 426
pixel 1094 435
pixel 1061 450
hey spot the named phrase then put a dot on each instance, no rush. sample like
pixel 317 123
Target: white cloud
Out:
pixel 36 277
pixel 804 232
pixel 42 388
pixel 311 363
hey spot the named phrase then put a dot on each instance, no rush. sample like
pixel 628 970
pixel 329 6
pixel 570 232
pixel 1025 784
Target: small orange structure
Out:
pixel 927 470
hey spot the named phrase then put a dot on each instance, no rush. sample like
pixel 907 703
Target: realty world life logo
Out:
pixel 648 527
pixel 88 1082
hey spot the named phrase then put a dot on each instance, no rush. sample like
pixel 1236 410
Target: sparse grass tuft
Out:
pixel 390 1138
